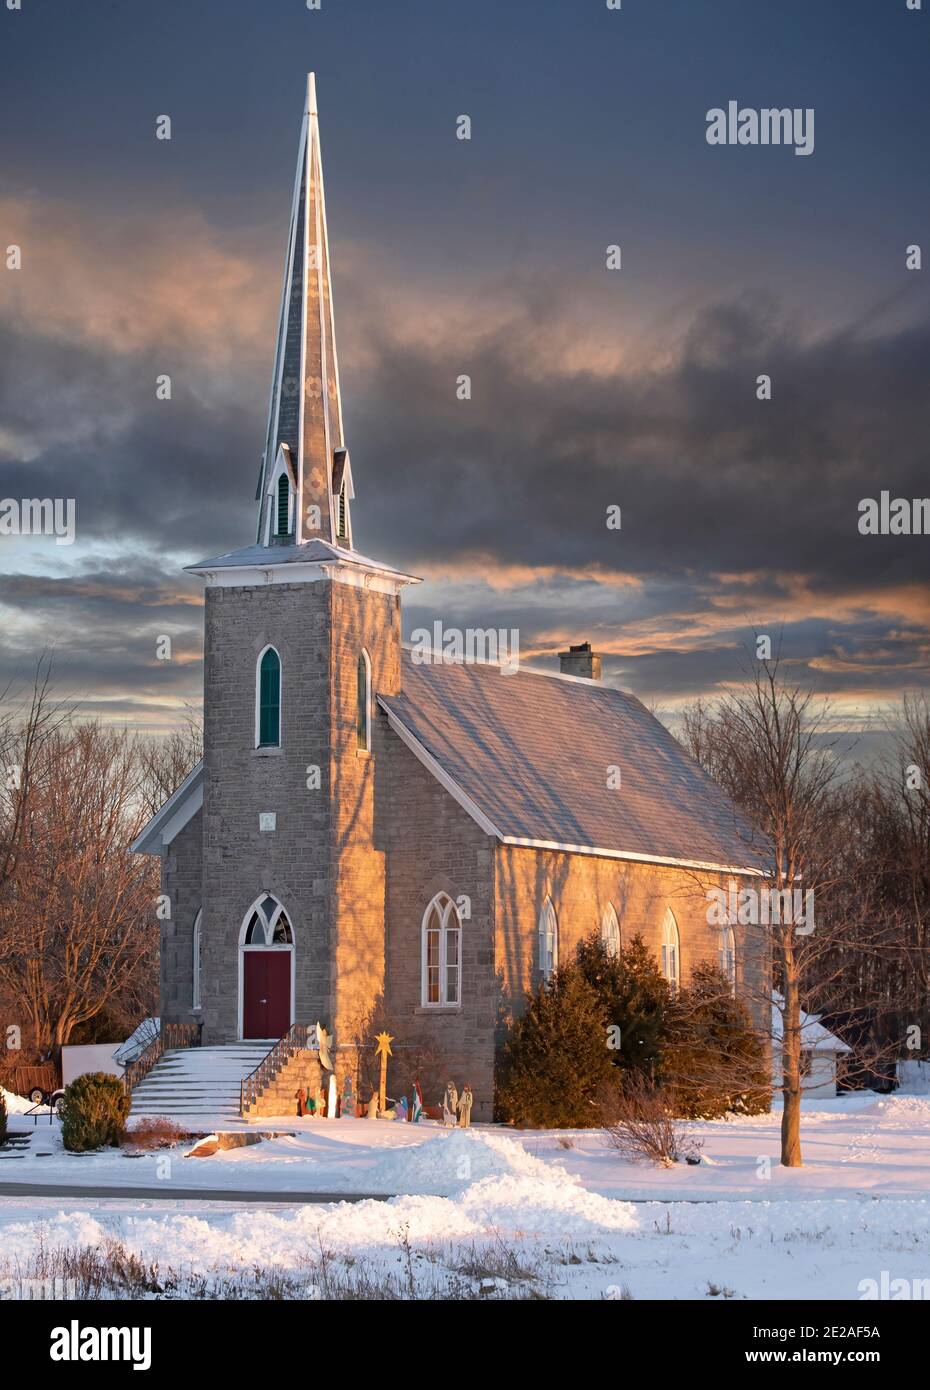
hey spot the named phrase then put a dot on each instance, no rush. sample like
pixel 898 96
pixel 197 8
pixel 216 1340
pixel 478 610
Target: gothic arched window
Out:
pixel 267 925
pixel 442 953
pixel 548 940
pixel 610 931
pixel 196 962
pixel 363 703
pixel 268 700
pixel 727 954
pixel 671 962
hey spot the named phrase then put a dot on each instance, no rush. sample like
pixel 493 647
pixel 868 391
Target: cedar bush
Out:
pixel 713 1061
pixel 697 1047
pixel 555 1061
pixel 93 1112
pixel 635 996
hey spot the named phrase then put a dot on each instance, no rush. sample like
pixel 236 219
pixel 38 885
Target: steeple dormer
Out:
pixel 280 500
pixel 305 413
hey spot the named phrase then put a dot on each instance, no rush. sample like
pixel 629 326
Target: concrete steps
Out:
pixel 198 1081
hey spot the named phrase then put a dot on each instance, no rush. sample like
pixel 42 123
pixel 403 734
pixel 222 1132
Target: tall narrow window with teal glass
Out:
pixel 269 699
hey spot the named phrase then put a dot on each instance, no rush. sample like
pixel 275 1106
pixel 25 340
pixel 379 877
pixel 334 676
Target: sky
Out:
pixel 592 387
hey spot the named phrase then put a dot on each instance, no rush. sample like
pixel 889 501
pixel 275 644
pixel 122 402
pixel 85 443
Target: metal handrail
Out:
pixel 300 1037
pixel 37 1113
pixel 170 1037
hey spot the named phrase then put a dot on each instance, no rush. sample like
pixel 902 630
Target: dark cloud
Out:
pixel 736 513
pixel 709 478
pixel 169 475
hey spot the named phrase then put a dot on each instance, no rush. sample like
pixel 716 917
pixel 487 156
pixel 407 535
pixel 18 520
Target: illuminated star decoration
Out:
pixel 383 1050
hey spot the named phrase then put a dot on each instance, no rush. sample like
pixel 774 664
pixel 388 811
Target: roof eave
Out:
pixel 183 803
pixel 636 856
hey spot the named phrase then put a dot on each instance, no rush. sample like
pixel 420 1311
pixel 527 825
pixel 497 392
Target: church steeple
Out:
pixel 305 488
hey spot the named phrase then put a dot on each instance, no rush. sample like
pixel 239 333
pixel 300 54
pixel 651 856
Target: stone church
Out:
pixel 372 831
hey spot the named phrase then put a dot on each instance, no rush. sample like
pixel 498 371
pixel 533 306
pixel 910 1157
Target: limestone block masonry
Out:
pixel 279 1097
pixel 322 860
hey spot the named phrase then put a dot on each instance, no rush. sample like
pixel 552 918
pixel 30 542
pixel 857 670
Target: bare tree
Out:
pixel 769 744
pixel 903 803
pixel 26 725
pixel 882 828
pixel 165 762
pixel 77 928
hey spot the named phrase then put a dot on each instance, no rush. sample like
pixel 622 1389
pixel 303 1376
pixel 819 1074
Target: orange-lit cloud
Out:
pixel 124 283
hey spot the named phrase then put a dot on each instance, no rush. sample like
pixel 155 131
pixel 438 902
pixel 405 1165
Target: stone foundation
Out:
pixel 279 1097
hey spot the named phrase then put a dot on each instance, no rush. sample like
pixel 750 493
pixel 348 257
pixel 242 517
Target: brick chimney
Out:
pixel 581 661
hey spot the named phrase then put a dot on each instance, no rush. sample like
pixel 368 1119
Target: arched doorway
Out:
pixel 266 971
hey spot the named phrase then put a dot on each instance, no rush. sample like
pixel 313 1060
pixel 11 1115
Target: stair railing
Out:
pixel 171 1036
pixel 299 1038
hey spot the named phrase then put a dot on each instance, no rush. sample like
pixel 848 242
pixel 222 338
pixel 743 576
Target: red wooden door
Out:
pixel 266 1004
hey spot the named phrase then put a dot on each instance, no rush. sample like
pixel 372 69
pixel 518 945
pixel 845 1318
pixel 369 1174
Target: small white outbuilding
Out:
pixel 821 1053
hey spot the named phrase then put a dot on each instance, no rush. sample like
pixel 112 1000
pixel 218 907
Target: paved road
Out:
pixel 292 1199
pixel 186 1194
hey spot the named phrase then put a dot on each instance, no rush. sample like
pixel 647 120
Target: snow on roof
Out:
pixel 309 552
pixel 525 754
pixel 814 1036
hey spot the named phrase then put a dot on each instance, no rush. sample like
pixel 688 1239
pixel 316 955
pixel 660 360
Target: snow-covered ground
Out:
pixel 861 1144
pixel 736 1225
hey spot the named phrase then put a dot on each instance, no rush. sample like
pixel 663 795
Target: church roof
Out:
pixel 183 803
pixel 529 754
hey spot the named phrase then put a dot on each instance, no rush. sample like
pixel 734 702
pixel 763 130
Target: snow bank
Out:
pixel 449 1162
pixel 508 1208
pixel 903 1112
pixel 557 1207
pixel 15 1105
pixel 816 1249
pixel 498 1185
pixel 493 1188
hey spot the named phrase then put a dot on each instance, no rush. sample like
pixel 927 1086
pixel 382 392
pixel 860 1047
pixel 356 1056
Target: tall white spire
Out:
pixel 304 436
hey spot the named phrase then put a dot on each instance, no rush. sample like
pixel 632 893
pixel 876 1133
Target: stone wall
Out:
pixel 325 859
pixel 370 621
pixel 294 862
pixel 581 887
pixel 435 846
pixel 182 881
